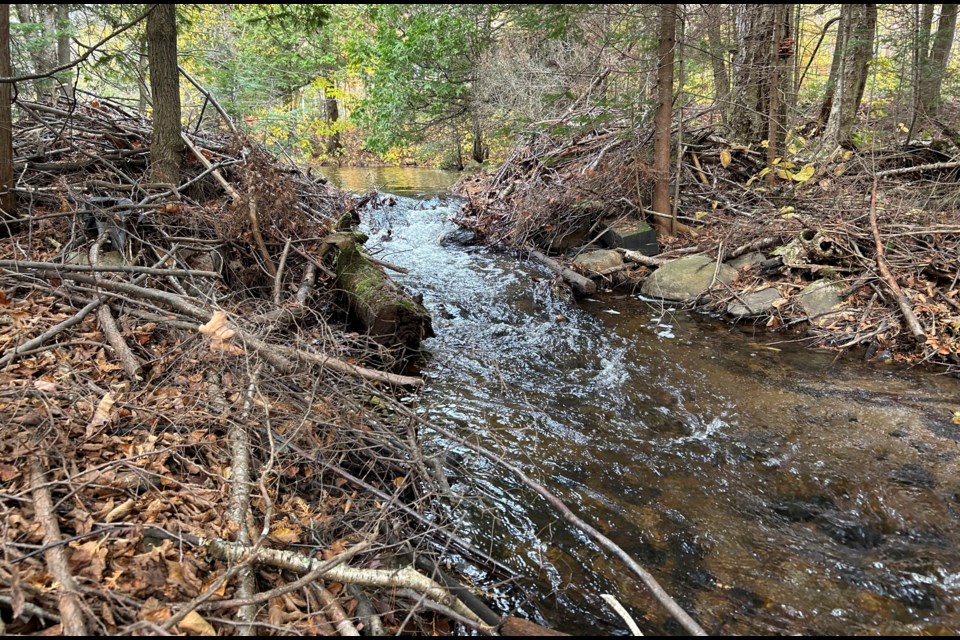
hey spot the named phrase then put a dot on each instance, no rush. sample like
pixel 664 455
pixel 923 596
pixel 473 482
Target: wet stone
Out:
pixel 751 304
pixel 686 278
pixel 849 530
pixel 633 236
pixel 598 260
pixel 818 299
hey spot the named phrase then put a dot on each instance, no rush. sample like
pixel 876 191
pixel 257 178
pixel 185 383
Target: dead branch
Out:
pixel 919 335
pixel 71 608
pixel 297 563
pixel 130 363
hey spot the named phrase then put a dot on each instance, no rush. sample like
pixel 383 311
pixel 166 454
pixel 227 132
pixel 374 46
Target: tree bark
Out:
pixel 390 316
pixel 334 145
pixel 663 121
pixel 166 146
pixel 751 71
pixel 718 58
pixel 42 49
pixel 934 63
pixel 858 24
pixel 7 198
pixel 781 50
pixel 64 53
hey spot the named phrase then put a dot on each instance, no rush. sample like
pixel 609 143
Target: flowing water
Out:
pixel 771 489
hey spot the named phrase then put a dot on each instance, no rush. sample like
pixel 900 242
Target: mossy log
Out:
pixel 389 315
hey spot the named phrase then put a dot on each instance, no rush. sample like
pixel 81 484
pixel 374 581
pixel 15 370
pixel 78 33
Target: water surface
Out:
pixel 770 488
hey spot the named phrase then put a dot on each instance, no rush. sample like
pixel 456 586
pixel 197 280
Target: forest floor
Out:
pixel 193 437
pixel 881 229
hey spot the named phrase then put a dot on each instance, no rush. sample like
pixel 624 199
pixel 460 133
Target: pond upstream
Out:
pixel 771 489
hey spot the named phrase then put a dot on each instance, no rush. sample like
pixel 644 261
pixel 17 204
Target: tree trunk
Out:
pixel 858 24
pixel 718 58
pixel 334 145
pixel 780 54
pixel 7 198
pixel 480 151
pixel 166 147
pixel 835 64
pixel 64 53
pixel 388 314
pixel 663 121
pixel 42 48
pixel 751 71
pixel 934 64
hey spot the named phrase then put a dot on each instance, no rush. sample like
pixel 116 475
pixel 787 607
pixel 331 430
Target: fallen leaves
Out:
pixel 221 335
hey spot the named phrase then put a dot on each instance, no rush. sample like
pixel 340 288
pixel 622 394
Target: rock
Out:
pixel 632 235
pixel 686 278
pixel 754 303
pixel 598 260
pixel 818 299
pixel 105 259
pixel 746 261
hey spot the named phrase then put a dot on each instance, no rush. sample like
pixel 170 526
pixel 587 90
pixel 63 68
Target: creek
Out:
pixel 770 488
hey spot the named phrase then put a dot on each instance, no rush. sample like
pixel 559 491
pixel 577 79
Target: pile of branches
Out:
pixel 883 225
pixel 191 438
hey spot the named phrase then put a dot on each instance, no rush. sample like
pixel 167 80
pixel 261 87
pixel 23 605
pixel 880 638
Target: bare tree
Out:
pixel 166 146
pixel 663 121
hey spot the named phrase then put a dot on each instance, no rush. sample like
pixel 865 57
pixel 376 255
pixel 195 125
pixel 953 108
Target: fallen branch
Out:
pixel 71 615
pixel 581 285
pixel 52 267
pixel 935 166
pixel 919 335
pixel 399 578
pixel 131 366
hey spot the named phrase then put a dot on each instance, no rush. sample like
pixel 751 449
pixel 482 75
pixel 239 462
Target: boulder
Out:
pixel 686 278
pixel 754 303
pixel 105 259
pixel 598 260
pixel 818 299
pixel 632 235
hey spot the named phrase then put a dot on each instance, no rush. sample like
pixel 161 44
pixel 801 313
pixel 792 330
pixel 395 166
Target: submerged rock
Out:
pixel 598 260
pixel 686 278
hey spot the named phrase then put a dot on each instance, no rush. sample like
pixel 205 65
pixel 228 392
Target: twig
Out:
pixel 278 278
pixel 622 612
pixel 53 267
pixel 935 166
pixel 71 615
pixel 335 613
pixel 131 366
pixel 209 96
pixel 919 335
